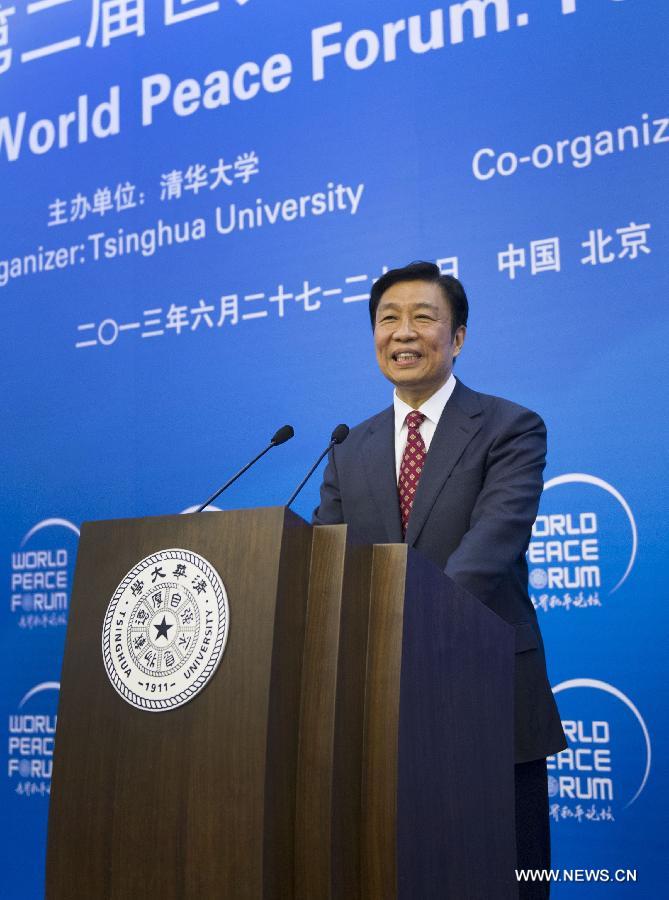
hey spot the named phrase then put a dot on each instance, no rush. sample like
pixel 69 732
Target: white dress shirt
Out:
pixel 431 409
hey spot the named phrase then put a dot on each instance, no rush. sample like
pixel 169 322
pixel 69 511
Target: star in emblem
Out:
pixel 163 628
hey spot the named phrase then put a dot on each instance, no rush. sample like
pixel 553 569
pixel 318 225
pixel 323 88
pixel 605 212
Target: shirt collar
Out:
pixel 431 409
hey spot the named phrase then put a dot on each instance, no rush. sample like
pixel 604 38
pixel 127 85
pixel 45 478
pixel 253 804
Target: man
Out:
pixel 458 476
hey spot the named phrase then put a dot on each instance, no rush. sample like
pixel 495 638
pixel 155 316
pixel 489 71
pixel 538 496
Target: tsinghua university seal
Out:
pixel 165 630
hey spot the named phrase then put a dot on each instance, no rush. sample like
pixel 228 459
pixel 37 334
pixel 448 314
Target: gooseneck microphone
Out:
pixel 338 435
pixel 285 433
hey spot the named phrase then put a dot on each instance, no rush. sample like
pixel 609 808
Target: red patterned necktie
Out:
pixel 411 466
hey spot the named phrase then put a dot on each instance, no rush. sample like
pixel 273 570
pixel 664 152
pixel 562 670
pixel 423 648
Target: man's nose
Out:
pixel 405 329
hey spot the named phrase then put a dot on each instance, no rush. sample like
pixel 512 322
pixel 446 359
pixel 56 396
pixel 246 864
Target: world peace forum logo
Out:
pixel 605 768
pixel 30 741
pixel 41 574
pixel 584 543
pixel 165 630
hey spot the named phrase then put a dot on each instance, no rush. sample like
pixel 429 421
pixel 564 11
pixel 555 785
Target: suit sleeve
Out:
pixel 329 511
pixel 505 509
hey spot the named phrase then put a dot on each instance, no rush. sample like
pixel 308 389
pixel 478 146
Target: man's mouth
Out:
pixel 406 356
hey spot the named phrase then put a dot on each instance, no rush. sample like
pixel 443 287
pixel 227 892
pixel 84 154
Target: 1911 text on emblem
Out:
pixel 165 630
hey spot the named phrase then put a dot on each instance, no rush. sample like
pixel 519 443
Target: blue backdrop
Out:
pixel 195 198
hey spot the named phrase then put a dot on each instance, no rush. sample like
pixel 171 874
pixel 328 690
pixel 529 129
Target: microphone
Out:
pixel 285 433
pixel 337 437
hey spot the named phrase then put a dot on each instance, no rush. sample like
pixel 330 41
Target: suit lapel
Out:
pixel 378 456
pixel 459 422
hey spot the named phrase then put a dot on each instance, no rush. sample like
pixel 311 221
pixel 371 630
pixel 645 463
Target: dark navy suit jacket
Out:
pixel 472 515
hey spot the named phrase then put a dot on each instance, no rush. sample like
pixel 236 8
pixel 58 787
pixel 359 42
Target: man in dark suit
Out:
pixel 458 476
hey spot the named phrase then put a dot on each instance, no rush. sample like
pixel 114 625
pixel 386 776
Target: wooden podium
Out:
pixel 356 740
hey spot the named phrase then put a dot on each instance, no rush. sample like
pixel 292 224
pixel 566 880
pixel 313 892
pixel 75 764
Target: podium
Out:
pixel 355 741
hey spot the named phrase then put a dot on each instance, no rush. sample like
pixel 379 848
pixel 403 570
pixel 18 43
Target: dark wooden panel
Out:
pixel 382 703
pixel 284 709
pixel 174 803
pixel 313 819
pixel 350 723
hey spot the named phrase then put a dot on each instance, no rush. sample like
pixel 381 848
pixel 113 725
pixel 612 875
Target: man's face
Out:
pixel 412 336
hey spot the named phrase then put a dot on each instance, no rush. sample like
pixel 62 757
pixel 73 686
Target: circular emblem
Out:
pixel 165 630
pixel 538 578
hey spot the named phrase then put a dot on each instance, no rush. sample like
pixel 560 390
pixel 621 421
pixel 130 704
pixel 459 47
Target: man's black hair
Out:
pixel 423 271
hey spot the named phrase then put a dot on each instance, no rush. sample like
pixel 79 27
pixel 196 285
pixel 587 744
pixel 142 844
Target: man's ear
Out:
pixel 459 339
